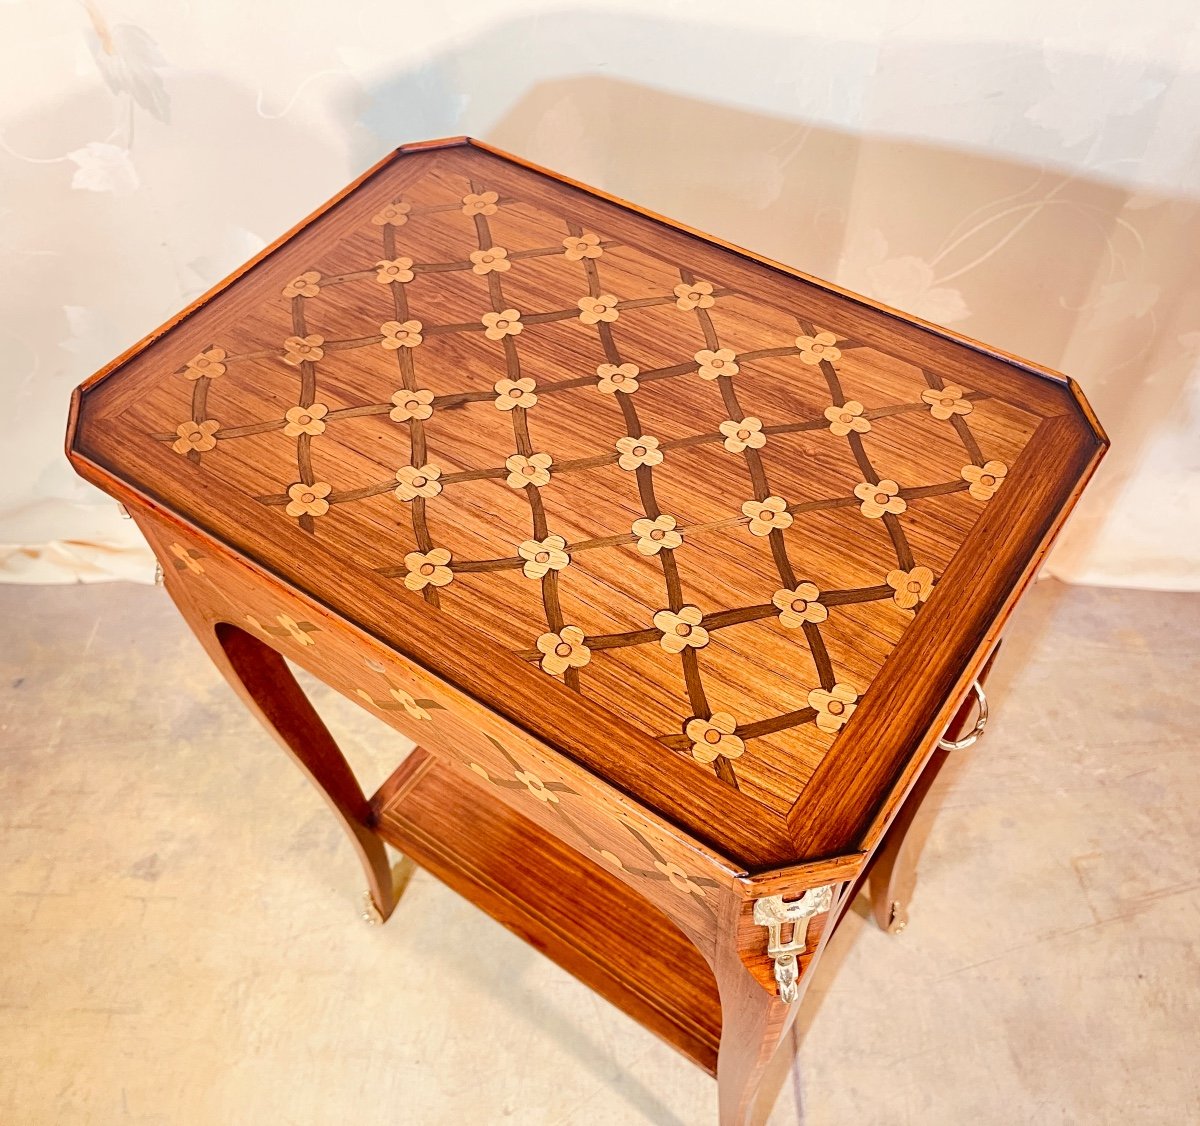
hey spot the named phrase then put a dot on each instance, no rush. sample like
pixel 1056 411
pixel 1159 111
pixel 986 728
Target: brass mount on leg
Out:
pixel 773 912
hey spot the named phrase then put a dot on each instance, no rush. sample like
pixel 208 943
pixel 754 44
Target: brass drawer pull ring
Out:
pixel 980 723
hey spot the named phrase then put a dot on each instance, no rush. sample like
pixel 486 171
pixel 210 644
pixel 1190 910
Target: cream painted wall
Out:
pixel 1026 173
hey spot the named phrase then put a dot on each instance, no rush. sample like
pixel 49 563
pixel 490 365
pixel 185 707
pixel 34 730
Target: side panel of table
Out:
pixel 671 937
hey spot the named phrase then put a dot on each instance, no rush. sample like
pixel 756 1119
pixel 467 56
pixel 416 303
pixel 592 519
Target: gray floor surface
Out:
pixel 179 941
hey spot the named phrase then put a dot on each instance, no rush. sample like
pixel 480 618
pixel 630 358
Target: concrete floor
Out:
pixel 179 939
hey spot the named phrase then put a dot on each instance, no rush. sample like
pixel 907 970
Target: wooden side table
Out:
pixel 676 563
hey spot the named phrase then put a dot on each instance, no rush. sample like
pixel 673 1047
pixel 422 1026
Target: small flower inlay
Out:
pixel 496 326
pixel 947 401
pixel 187 559
pixel 984 479
pixel 532 470
pixel 911 587
pixel 833 707
pixel 878 499
pixel 303 286
pixel 712 364
pixel 656 535
pixel 427 568
pixel 198 436
pixel 305 420
pixel 300 632
pixel 543 556
pixel 820 346
pixel 563 650
pixel 678 878
pixel 388 270
pixel 299 349
pixel 799 606
pixel 397 334
pixel 494 260
pixel 847 418
pixel 536 786
pixel 767 516
pixel 483 203
pixel 395 213
pixel 593 310
pixel 207 364
pixel 587 245
pixel 408 405
pixel 401 699
pixel 698 295
pixel 414 481
pixel 714 736
pixel 511 393
pixel 636 452
pixel 297 631
pixel 744 435
pixel 614 378
pixel 681 630
pixel 308 500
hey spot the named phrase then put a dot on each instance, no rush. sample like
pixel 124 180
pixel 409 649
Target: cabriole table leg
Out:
pixel 892 870
pixel 760 996
pixel 261 677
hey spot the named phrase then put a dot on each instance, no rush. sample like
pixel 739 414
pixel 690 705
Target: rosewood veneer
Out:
pixel 676 563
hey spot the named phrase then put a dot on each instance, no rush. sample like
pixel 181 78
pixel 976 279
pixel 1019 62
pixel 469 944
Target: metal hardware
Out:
pixel 402 874
pixel 158 574
pixel 370 913
pixel 123 511
pixel 980 723
pixel 897 917
pixel 772 912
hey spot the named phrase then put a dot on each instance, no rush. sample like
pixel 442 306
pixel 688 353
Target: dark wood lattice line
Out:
pixel 619 539
pixel 643 473
pixel 689 658
pixel 551 601
pixel 229 433
pixel 958 421
pixel 723 619
pixel 762 491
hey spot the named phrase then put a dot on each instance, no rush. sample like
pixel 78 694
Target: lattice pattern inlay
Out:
pixel 625 401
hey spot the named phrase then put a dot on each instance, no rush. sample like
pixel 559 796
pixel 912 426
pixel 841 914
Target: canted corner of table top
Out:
pixel 731 540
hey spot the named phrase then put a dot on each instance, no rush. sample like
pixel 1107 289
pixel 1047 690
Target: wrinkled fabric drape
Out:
pixel 1025 175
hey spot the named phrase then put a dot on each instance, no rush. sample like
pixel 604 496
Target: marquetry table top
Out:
pixel 730 538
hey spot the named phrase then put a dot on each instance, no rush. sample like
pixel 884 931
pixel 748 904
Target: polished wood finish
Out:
pixel 555 899
pixel 891 871
pixel 207 417
pixel 675 562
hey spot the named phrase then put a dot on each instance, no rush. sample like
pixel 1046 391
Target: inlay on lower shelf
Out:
pixel 679 565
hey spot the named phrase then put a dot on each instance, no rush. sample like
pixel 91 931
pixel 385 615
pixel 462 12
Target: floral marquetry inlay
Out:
pixel 711 513
pixel 642 859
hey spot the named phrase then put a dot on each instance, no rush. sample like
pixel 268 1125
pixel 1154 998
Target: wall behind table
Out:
pixel 1026 176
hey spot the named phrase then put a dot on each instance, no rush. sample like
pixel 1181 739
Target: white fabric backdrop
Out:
pixel 1024 172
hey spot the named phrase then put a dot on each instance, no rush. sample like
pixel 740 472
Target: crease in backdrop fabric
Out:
pixel 1024 174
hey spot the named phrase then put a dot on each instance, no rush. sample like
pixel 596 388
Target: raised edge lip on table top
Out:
pixel 1089 442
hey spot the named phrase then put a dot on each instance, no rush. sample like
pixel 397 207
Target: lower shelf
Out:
pixel 573 911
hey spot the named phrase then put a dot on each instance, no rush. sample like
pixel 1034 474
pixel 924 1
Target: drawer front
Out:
pixel 681 877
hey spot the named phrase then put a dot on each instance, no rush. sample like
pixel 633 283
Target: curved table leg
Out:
pixel 753 1025
pixel 754 1018
pixel 261 677
pixel 892 870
